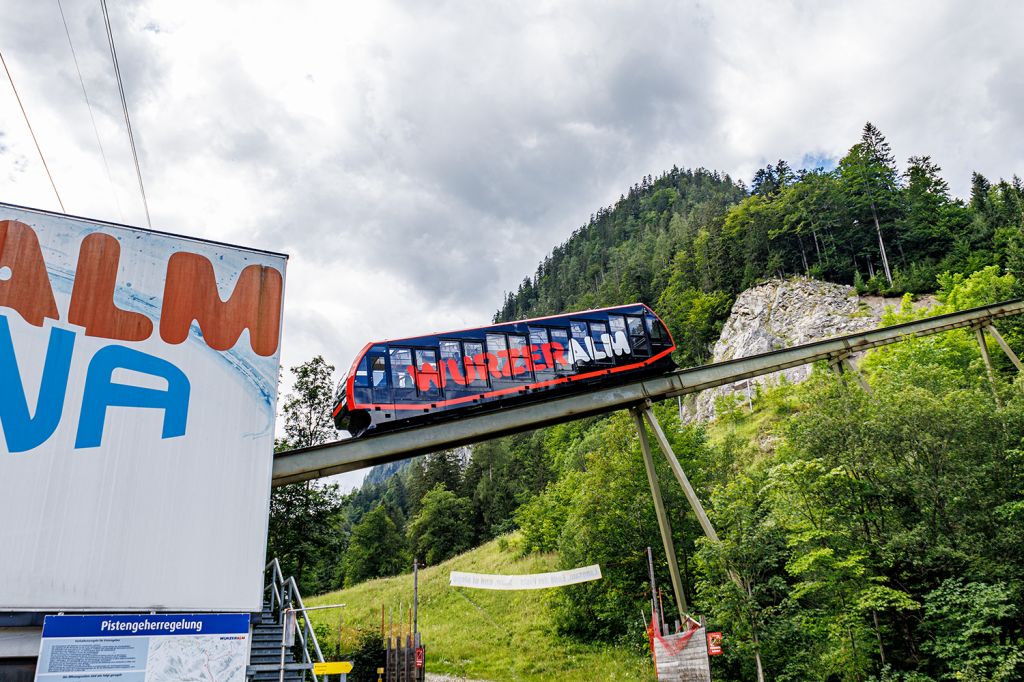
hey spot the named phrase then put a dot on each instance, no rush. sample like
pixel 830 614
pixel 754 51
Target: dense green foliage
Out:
pixel 688 241
pixel 375 548
pixel 864 536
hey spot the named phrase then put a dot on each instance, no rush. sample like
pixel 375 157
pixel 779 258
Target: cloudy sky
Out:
pixel 417 159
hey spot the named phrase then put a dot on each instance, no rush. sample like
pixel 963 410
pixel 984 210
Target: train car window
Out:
pixel 541 357
pixel 476 364
pixel 379 373
pixel 497 348
pixel 657 333
pixel 362 377
pixel 637 337
pixel 617 323
pixel 519 358
pixel 620 337
pixel 401 361
pixel 561 351
pixel 600 344
pixel 428 378
pixel 580 335
pixel 450 350
pixel 451 363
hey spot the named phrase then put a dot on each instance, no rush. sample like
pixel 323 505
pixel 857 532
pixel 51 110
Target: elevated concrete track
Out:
pixel 348 455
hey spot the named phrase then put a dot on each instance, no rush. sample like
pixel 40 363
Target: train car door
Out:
pixel 463 368
pixel 428 376
pixel 377 362
pixel 543 359
pixel 403 386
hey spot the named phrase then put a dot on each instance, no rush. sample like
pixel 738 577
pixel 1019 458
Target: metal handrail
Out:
pixel 285 596
pixel 306 621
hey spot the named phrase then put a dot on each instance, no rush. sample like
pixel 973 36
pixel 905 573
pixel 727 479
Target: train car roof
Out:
pixel 502 324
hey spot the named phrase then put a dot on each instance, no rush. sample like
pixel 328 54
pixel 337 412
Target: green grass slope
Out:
pixel 481 634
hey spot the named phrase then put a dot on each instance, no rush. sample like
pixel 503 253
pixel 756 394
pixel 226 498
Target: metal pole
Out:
pixel 415 595
pixel 680 475
pixel 988 364
pixel 843 364
pixel 284 638
pixel 659 510
pixel 654 588
pixel 1006 348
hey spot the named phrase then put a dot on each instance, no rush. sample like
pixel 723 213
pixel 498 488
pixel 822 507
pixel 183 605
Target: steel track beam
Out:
pixel 350 454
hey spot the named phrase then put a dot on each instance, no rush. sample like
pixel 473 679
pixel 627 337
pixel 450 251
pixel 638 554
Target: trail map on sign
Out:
pixel 196 659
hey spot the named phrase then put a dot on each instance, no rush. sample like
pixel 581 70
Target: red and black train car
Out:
pixel 405 381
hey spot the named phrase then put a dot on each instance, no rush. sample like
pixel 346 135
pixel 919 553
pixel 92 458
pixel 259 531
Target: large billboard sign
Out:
pixel 138 389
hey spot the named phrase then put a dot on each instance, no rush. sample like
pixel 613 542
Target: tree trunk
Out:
pixel 878 634
pixel 881 245
pixel 757 656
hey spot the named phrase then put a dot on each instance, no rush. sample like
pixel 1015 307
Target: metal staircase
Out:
pixel 281 601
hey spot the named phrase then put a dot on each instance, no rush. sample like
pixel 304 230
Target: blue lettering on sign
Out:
pixel 101 393
pixel 23 432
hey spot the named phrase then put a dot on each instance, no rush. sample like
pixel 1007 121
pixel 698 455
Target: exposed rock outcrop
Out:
pixel 779 314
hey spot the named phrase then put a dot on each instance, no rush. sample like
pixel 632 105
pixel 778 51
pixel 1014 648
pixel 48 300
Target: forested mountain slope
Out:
pixel 878 536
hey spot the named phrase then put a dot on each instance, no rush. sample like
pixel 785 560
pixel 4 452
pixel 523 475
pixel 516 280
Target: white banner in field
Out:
pixel 533 581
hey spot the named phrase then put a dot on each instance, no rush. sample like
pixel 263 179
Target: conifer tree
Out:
pixel 870 182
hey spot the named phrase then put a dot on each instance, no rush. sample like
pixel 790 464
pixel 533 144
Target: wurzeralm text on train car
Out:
pixel 401 382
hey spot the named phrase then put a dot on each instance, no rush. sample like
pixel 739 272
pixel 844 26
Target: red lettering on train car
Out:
pixel 425 376
pixel 455 373
pixel 558 352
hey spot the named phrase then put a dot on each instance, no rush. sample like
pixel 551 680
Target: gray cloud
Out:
pixel 418 159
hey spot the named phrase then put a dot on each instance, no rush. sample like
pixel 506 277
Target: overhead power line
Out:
pixel 124 109
pixel 88 104
pixel 32 132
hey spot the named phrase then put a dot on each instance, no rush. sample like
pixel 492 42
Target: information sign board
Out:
pixel 714 643
pixel 152 648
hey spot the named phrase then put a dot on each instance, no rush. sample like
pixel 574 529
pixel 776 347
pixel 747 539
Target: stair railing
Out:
pixel 284 596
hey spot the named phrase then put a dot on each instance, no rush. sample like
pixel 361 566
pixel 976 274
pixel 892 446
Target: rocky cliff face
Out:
pixel 778 314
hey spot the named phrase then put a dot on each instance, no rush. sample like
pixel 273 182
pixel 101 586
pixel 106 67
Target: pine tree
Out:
pixel 870 183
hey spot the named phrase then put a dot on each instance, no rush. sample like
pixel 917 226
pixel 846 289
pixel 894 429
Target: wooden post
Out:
pixel 659 510
pixel 654 588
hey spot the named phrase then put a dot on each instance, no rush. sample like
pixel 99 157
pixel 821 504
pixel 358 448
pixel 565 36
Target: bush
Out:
pixel 366 657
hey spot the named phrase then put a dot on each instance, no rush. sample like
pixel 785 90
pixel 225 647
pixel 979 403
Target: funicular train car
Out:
pixel 402 382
